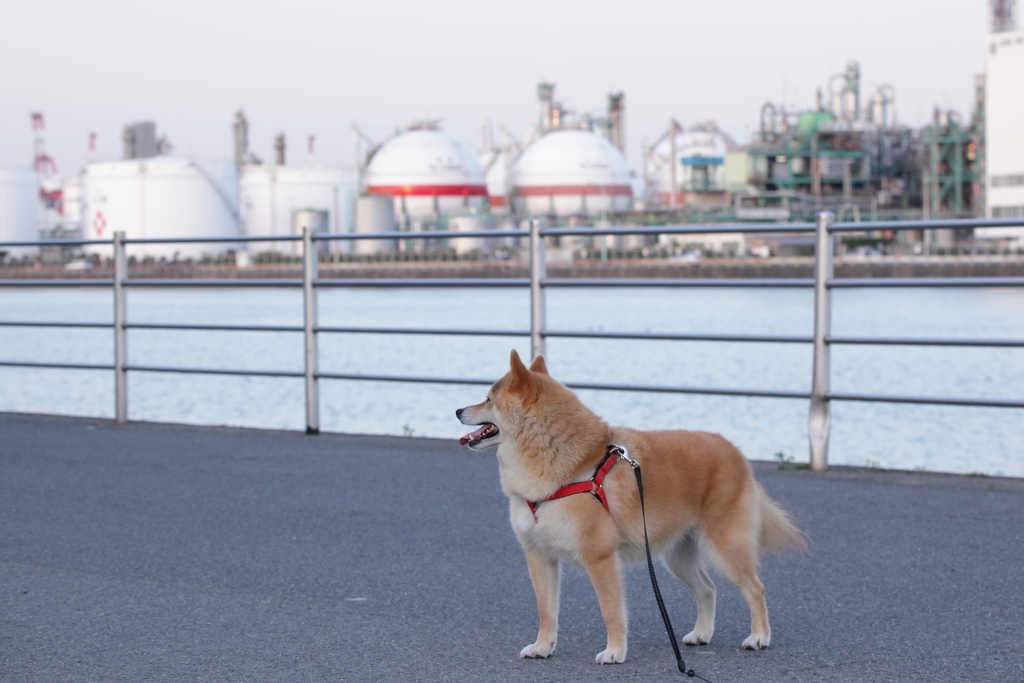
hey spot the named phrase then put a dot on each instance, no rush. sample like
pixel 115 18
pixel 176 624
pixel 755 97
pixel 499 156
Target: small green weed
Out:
pixel 786 462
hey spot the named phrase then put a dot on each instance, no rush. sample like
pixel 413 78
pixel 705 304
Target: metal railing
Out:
pixel 820 396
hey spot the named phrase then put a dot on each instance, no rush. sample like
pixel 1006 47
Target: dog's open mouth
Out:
pixel 486 431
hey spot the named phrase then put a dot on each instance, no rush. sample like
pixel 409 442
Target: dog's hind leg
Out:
pixel 607 580
pixel 683 559
pixel 735 551
pixel 544 572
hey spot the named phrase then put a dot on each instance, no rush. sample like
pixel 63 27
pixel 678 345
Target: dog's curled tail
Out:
pixel 778 532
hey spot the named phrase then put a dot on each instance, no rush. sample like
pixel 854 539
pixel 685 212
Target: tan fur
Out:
pixel 703 505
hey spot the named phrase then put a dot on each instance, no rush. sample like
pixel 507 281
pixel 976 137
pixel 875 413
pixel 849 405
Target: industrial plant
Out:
pixel 848 152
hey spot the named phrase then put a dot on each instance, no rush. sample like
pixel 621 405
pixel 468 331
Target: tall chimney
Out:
pixel 279 150
pixel 241 130
pixel 617 120
pixel 128 138
pixel 546 93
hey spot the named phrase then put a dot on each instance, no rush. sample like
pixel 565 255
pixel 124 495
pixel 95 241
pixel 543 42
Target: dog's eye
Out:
pixel 487 400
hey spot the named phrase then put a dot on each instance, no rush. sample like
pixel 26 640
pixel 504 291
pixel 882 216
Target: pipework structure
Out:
pixel 851 155
pixel 554 116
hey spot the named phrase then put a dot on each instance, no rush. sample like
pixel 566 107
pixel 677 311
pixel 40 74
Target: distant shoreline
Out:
pixel 711 268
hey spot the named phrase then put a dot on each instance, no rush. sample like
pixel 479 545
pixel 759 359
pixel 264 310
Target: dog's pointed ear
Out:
pixel 520 375
pixel 538 365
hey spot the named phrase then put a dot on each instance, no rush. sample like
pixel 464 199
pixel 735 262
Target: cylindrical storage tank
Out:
pixel 19 210
pixel 374 213
pixel 313 219
pixel 270 195
pixel 427 172
pixel 572 173
pixel 162 197
pixel 474 222
pixel 700 169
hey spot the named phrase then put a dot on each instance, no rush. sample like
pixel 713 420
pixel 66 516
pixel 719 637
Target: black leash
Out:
pixel 650 566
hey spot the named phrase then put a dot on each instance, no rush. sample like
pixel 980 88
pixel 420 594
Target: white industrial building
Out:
pixel 280 200
pixel 19 210
pixel 1004 133
pixel 161 197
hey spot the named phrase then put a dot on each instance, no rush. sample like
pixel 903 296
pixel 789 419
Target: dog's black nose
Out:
pixel 458 412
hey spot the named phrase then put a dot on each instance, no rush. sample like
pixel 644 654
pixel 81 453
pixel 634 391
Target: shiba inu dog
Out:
pixel 702 503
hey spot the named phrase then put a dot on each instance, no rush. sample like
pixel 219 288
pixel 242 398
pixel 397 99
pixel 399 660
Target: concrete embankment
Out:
pixel 752 268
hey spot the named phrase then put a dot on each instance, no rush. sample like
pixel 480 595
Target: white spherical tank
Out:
pixel 572 173
pixel 428 172
pixel 700 166
pixel 270 196
pixel 162 197
pixel 19 210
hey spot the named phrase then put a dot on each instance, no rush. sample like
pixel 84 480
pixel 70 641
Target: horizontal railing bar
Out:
pixel 895 341
pixel 927 282
pixel 681 229
pixel 213 240
pixel 608 387
pixel 925 400
pixel 70 242
pixel 58 366
pixel 26 323
pixel 398 378
pixel 213 282
pixel 754 393
pixel 560 334
pixel 677 282
pixel 215 328
pixel 211 371
pixel 673 336
pixel 42 282
pixel 422 282
pixel 423 235
pixel 707 391
pixel 522 282
pixel 935 224
pixel 422 330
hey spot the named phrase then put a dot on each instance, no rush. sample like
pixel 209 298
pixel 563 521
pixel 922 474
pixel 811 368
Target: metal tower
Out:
pixel 1002 15
pixel 50 193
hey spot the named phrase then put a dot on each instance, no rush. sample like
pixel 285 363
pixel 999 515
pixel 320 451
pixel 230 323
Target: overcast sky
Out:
pixel 303 67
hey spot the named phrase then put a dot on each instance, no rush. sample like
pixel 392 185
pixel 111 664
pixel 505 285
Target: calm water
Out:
pixel 953 439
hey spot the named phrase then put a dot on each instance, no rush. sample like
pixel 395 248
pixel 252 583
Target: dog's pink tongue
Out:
pixel 471 437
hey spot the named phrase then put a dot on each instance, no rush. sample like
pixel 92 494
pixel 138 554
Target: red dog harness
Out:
pixel 594 485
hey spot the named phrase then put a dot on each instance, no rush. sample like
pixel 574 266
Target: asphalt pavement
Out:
pixel 152 552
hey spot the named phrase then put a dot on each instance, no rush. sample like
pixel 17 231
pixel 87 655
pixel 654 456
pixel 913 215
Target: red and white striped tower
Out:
pixel 50 192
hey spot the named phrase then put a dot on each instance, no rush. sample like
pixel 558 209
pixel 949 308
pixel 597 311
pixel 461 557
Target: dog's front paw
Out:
pixel 611 656
pixel 537 651
pixel 696 637
pixel 757 641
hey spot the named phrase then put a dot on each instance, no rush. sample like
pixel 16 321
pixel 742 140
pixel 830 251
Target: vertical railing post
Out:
pixel 120 333
pixel 309 274
pixel 819 417
pixel 538 271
